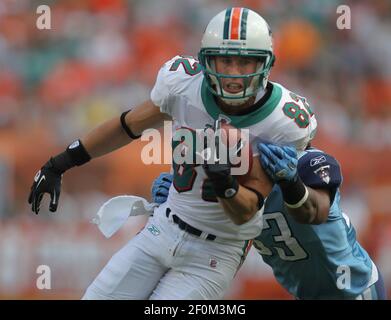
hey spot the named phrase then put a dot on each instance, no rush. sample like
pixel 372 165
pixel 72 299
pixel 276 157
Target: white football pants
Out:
pixel 165 262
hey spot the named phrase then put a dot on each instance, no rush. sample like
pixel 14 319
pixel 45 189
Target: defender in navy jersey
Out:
pixel 307 239
pixel 313 256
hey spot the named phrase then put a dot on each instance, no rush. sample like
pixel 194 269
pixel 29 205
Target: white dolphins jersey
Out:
pixel 181 92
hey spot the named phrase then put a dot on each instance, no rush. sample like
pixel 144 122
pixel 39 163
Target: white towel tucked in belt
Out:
pixel 113 214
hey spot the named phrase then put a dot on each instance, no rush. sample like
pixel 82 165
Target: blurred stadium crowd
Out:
pixel 101 57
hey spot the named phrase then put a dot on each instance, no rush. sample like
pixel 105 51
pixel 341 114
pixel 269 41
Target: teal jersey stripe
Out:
pixel 243 121
pixel 243 24
pixel 226 23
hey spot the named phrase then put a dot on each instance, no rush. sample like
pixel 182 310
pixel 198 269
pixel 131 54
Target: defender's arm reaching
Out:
pixel 307 204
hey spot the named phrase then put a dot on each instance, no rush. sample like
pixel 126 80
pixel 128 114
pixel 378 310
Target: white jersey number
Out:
pixel 285 237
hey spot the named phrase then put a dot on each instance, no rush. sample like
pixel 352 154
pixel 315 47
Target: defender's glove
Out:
pixel 219 172
pixel 280 163
pixel 160 187
pixel 48 179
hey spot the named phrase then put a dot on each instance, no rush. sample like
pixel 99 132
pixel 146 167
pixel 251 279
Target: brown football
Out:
pixel 251 174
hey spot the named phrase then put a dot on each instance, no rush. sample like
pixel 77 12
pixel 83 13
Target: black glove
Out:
pixel 219 172
pixel 47 180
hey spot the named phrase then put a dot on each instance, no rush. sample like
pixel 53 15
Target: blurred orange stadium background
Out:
pixel 100 57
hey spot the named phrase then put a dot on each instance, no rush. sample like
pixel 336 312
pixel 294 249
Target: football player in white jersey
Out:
pixel 193 245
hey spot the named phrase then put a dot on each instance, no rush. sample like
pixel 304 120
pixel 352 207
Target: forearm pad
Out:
pixel 74 155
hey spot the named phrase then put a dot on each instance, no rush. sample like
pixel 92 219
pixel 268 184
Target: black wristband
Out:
pixel 293 192
pixel 226 187
pixel 74 155
pixel 261 199
pixel 126 128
